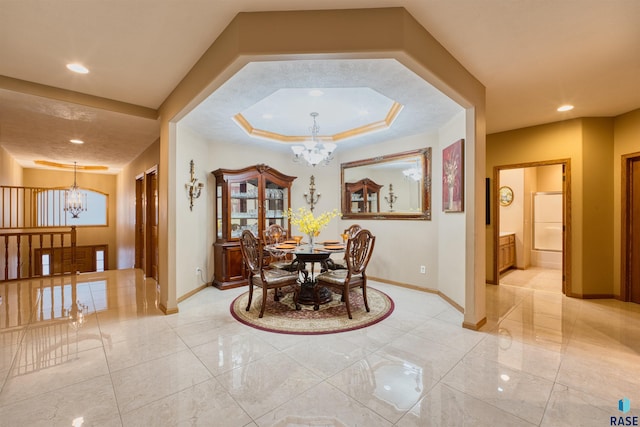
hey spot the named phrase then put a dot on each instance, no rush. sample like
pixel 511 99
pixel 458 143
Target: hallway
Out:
pixel 536 278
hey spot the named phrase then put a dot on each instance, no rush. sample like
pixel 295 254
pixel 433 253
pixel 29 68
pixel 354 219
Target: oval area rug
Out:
pixel 282 317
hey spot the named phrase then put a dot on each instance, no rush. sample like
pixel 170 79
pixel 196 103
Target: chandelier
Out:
pixel 314 152
pixel 75 201
pixel 76 314
pixel 413 173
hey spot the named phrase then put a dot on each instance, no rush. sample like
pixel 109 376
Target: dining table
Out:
pixel 309 292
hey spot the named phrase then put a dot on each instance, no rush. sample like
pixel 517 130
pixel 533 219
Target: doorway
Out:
pixel 146 223
pixel 140 221
pixel 532 229
pixel 151 252
pixel 630 257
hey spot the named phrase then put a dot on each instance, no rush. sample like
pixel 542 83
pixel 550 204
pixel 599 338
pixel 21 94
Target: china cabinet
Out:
pixel 363 196
pixel 246 199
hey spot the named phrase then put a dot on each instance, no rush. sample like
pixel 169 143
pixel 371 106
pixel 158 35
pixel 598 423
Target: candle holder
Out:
pixel 391 198
pixel 311 197
pixel 193 187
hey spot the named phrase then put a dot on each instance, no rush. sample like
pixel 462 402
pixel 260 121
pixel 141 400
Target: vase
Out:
pixel 312 239
pixel 450 205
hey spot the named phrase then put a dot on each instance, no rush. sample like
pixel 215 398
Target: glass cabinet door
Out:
pixel 357 202
pixel 243 204
pixel 372 200
pixel 219 211
pixel 276 202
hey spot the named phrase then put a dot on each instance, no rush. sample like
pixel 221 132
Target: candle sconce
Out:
pixel 193 187
pixel 391 198
pixel 311 196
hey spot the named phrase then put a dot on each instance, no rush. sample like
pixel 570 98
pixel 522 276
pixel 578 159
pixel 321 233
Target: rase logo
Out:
pixel 624 406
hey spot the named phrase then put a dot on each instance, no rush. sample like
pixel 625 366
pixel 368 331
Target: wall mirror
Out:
pixel 395 186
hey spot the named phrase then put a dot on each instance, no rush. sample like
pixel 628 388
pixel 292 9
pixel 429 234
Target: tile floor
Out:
pixel 542 359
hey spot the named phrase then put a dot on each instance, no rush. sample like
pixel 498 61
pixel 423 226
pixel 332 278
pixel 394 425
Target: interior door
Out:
pixel 152 225
pixel 139 259
pixel 633 243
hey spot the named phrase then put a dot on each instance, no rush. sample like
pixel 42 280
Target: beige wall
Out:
pixel 548 178
pixel 597 208
pixel 402 246
pixel 99 182
pixel 126 203
pixel 554 141
pixel 10 170
pixel 367 33
pixel 626 131
pixel 589 144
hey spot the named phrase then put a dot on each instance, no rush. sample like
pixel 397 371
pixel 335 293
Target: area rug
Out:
pixel 282 317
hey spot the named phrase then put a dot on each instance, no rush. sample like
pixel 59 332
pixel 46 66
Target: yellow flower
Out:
pixel 308 223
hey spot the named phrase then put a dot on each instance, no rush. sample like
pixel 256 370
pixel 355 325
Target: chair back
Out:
pixel 274 234
pixel 352 230
pixel 251 251
pixel 359 250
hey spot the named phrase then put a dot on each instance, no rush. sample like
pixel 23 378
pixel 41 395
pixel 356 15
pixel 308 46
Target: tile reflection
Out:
pixel 53 319
pixel 94 348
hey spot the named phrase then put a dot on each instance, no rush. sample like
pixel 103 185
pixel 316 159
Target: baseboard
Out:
pixel 597 296
pixel 167 311
pixel 418 288
pixel 475 326
pixel 451 302
pixel 192 292
pixel 403 285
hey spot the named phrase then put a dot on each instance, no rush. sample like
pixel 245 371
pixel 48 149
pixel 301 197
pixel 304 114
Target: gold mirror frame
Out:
pixel 421 157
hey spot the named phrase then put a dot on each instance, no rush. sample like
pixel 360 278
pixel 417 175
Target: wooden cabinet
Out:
pixel 362 196
pixel 246 199
pixel 507 252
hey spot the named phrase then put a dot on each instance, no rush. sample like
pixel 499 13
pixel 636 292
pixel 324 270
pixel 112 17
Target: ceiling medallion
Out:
pixel 314 152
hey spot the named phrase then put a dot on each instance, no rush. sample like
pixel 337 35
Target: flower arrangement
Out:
pixel 308 223
pixel 451 169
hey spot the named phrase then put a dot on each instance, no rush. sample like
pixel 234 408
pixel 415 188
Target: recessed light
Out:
pixel 78 68
pixel 316 92
pixel 267 116
pixel 76 141
pixel 565 108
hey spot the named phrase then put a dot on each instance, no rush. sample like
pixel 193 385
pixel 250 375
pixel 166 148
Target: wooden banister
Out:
pixel 15 252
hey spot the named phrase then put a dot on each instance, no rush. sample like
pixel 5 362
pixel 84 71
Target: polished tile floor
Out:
pixel 113 359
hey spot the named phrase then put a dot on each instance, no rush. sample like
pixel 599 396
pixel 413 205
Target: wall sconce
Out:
pixel 311 197
pixel 391 198
pixel 193 187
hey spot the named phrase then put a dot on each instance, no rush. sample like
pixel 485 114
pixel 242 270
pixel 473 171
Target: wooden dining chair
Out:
pixel 273 235
pixel 358 253
pixel 342 264
pixel 252 254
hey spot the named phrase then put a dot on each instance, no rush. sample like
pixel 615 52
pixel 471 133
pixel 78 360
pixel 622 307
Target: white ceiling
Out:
pixel 532 56
pixel 424 107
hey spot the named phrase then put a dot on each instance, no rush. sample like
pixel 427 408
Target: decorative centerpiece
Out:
pixel 310 224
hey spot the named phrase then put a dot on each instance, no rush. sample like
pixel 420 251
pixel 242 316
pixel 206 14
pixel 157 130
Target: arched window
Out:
pixel 50 209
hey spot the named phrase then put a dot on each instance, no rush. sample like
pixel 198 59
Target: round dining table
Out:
pixel 309 292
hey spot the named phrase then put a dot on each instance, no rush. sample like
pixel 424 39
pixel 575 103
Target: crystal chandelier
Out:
pixel 76 314
pixel 413 173
pixel 75 201
pixel 314 152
